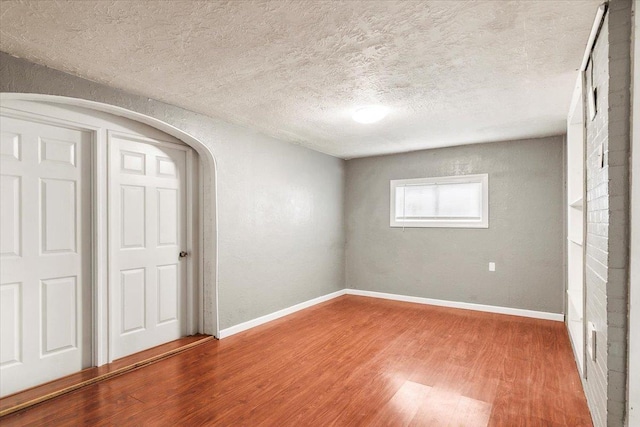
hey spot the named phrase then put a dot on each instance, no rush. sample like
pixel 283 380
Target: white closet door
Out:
pixel 45 239
pixel 147 222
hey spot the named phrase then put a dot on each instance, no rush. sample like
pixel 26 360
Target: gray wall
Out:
pixel 524 238
pixel 633 355
pixel 607 208
pixel 280 206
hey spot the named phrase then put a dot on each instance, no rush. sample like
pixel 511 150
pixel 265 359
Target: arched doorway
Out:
pixel 207 257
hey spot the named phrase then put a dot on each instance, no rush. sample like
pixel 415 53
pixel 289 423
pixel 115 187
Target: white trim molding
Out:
pixel 227 332
pixel 462 305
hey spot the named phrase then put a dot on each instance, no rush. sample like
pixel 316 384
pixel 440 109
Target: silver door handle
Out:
pixel 183 254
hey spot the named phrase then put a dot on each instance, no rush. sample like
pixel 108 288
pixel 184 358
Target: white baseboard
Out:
pixel 278 314
pixel 419 300
pixel 463 305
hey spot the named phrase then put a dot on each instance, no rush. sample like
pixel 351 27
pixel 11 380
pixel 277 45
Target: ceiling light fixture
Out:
pixel 370 114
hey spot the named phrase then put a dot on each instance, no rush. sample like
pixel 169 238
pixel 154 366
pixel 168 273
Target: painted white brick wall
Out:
pixel 597 229
pixel 607 216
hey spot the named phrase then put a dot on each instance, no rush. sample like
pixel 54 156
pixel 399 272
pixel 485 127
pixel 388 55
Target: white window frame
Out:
pixel 483 222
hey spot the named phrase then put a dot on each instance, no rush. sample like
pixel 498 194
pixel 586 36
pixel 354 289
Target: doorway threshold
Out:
pixel 35 395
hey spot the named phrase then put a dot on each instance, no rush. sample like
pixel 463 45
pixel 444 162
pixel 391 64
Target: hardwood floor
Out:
pixel 55 388
pixel 349 361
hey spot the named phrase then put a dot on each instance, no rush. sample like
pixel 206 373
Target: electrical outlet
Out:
pixel 492 266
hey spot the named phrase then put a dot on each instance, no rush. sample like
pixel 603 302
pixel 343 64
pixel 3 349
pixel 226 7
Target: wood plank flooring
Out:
pixel 350 361
pixel 55 388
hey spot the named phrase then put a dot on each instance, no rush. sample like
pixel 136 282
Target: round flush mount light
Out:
pixel 370 114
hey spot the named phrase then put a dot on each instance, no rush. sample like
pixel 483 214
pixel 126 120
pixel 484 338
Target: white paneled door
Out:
pixel 147 227
pixel 45 260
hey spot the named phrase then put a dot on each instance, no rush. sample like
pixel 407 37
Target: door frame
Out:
pixel 207 222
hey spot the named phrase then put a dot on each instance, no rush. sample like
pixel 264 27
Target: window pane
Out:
pixel 399 203
pixel 419 202
pixel 450 201
pixel 460 200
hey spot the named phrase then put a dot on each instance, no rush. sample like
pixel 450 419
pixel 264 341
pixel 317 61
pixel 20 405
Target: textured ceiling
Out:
pixel 451 72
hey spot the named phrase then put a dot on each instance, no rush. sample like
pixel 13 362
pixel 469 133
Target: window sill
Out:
pixel 439 224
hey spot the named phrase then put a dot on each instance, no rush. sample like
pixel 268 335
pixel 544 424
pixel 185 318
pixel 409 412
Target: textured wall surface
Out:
pixel 524 238
pixel 607 217
pixel 633 375
pixel 280 206
pixel 452 72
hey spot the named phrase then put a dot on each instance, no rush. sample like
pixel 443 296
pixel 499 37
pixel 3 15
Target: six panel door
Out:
pixel 147 226
pixel 45 242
